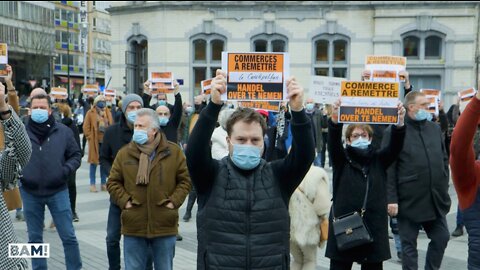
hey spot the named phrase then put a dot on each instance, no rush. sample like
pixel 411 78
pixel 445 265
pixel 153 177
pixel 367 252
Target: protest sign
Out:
pixel 59 93
pixel 369 102
pixel 273 106
pixel 3 59
pixel 385 68
pixel 90 89
pixel 465 96
pixel 434 96
pixel 206 86
pixel 325 89
pixel 110 94
pixel 255 76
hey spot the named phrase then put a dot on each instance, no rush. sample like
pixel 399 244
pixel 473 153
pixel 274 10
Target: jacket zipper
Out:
pixel 248 210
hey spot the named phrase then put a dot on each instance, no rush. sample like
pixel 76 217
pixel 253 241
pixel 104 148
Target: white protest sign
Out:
pixel 325 89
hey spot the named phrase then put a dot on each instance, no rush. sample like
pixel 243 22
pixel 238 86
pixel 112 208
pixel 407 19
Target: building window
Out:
pixel 207 57
pixel 331 55
pixel 269 43
pixel 423 45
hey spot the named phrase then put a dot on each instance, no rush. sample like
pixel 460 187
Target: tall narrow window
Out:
pixel 269 43
pixel 331 55
pixel 207 58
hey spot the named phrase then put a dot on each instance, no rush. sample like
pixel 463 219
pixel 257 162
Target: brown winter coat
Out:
pixel 90 130
pixel 169 182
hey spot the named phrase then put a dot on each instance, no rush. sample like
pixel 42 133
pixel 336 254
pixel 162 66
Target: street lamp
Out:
pixel 85 46
pixel 68 53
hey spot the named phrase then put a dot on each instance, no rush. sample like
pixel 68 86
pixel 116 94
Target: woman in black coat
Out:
pixel 352 166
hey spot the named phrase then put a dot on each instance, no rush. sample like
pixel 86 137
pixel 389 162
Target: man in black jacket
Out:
pixel 417 188
pixel 243 219
pixel 117 136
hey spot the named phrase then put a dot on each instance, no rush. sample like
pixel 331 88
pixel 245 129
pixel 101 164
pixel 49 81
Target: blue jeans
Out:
pixel 459 217
pixel 136 250
pixel 59 206
pixel 318 159
pixel 103 174
pixel 471 218
pixel 113 237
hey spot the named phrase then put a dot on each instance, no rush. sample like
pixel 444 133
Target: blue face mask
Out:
pixel 163 121
pixel 101 104
pixel 246 157
pixel 361 143
pixel 423 115
pixel 162 102
pixel 310 106
pixel 140 136
pixel 132 116
pixel 39 115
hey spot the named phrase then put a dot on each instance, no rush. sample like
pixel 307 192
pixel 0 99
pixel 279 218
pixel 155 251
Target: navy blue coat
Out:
pixel 51 162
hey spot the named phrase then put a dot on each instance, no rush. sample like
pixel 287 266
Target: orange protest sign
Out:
pixel 90 89
pixel 160 87
pixel 255 76
pixel 431 92
pixel 206 86
pixel 3 59
pixel 59 93
pixel 273 106
pixel 110 94
pixel 369 102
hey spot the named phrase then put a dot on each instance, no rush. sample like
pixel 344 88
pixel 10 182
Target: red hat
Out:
pixel 263 112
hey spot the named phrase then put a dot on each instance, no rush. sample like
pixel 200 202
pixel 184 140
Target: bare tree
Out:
pixel 38 42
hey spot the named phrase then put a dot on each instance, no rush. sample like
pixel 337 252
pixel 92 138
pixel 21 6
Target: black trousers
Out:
pixel 72 191
pixel 345 265
pixel 437 232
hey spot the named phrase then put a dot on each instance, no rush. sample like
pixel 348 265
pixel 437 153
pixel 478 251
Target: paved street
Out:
pixel 91 232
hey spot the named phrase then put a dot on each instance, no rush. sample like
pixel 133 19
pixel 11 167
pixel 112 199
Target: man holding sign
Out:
pixel 244 191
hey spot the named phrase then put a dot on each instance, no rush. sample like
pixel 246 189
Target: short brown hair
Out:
pixel 352 127
pixel 248 116
pixel 411 97
pixel 41 96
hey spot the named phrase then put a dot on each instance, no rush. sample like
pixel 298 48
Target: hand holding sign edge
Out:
pixel 218 87
pixel 295 94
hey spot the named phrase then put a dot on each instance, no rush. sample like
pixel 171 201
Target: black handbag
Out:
pixel 350 230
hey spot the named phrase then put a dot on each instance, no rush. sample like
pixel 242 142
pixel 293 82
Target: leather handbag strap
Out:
pixel 364 206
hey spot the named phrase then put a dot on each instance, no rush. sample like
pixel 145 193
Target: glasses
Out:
pixel 357 135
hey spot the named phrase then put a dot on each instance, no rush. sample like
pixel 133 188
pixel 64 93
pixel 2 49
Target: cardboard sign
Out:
pixel 273 106
pixel 59 93
pixel 325 89
pixel 434 96
pixel 159 87
pixel 161 82
pixel 206 86
pixel 110 94
pixel 465 96
pixel 369 102
pixel 90 90
pixel 385 68
pixel 255 76
pixel 3 59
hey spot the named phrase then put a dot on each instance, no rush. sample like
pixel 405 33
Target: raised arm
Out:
pixel 292 169
pixel 177 108
pixel 17 145
pixel 465 171
pixel 394 143
pixel 335 146
pixel 199 158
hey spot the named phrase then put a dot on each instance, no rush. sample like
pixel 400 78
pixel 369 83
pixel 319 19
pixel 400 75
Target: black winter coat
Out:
pixel 418 180
pixel 116 136
pixel 349 187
